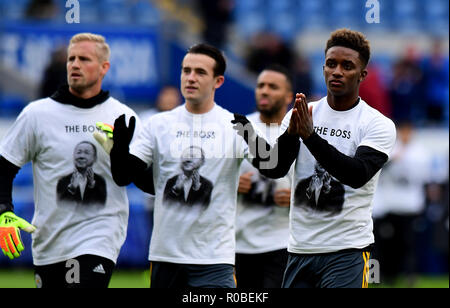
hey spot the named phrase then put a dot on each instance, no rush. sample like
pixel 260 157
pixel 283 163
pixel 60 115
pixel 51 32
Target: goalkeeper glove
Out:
pixel 104 136
pixel 10 241
pixel 123 134
pixel 244 128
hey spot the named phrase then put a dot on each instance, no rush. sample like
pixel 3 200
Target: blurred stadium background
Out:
pixel 409 81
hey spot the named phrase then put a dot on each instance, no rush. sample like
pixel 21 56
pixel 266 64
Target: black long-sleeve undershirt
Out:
pixel 8 172
pixel 353 171
pixel 127 168
pixel 283 154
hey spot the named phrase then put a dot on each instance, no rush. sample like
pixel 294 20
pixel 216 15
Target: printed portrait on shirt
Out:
pixel 82 185
pixel 320 192
pixel 262 191
pixel 189 187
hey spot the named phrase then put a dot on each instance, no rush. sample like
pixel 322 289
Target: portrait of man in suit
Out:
pixel 320 192
pixel 82 186
pixel 189 187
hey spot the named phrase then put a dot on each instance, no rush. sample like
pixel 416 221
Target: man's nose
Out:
pixel 75 63
pixel 337 72
pixel 265 90
pixel 192 76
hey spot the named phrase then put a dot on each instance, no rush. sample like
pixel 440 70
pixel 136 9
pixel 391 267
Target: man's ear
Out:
pixel 105 67
pixel 363 75
pixel 219 81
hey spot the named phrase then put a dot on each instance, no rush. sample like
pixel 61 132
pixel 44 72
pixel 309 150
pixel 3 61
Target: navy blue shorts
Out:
pixel 342 269
pixel 86 271
pixel 262 270
pixel 172 275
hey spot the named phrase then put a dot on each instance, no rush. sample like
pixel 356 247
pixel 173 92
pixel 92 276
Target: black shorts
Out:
pixel 172 275
pixel 341 269
pixel 86 271
pixel 263 270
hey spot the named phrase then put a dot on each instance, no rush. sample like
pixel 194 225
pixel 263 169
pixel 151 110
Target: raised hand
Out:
pixel 122 134
pixel 301 122
pixel 243 127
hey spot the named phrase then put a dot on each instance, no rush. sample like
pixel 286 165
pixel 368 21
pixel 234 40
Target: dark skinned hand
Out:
pixel 301 122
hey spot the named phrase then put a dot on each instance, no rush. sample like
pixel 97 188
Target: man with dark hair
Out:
pixel 262 218
pixel 220 65
pixel 194 245
pixel 330 222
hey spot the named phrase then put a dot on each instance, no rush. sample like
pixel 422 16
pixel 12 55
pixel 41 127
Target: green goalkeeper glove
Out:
pixel 104 136
pixel 10 241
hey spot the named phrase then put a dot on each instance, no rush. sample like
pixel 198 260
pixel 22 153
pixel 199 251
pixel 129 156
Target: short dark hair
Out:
pixel 213 52
pixel 351 39
pixel 282 70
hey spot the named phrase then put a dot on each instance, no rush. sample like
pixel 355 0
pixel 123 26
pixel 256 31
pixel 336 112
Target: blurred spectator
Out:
pixel 268 48
pixel 436 78
pixel 303 82
pixel 399 205
pixel 217 16
pixel 438 226
pixel 168 98
pixel 55 74
pixel 374 92
pixel 407 90
pixel 41 9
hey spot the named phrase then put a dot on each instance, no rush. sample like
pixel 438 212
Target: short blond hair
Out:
pixel 103 50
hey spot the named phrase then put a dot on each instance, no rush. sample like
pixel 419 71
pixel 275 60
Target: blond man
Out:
pixel 75 243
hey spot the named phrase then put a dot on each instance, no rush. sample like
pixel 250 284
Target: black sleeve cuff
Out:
pixel 313 140
pixel 8 172
pixel 6 207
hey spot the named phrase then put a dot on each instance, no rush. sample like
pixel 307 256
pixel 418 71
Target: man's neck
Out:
pixel 65 96
pixel 342 103
pixel 199 108
pixel 270 119
pixel 86 94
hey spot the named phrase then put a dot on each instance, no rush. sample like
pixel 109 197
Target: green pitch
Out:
pixel 24 278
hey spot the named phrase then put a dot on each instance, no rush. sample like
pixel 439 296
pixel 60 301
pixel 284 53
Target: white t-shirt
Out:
pixel 326 215
pixel 194 215
pixel 401 188
pixel 261 225
pixel 78 207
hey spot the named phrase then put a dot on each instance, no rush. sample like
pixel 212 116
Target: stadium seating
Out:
pixel 13 10
pixel 288 18
pixel 144 13
pixel 291 17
